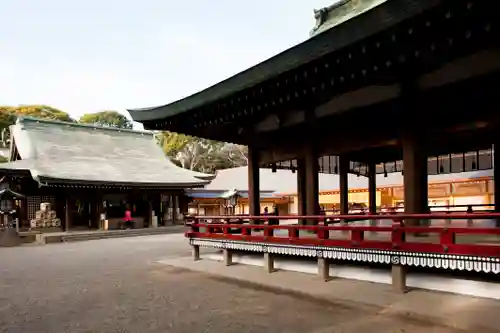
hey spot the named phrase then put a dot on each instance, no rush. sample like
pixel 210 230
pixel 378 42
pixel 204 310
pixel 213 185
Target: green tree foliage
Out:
pixel 9 114
pixel 43 112
pixel 7 118
pixel 171 142
pixel 107 119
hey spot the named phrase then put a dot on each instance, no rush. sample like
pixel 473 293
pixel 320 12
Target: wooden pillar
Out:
pixel 25 221
pixel 268 262
pixel 67 214
pixel 414 155
pixel 174 200
pixel 95 210
pixel 415 178
pixel 150 212
pixel 496 178
pixel 324 269
pixel 196 252
pixel 372 191
pixel 398 274
pixel 253 181
pixel 344 185
pixel 183 203
pixel 312 183
pixel 228 257
pixel 301 189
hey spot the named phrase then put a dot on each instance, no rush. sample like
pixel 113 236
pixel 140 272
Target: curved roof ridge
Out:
pixel 26 119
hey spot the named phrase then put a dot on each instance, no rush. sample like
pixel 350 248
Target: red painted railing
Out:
pixel 398 236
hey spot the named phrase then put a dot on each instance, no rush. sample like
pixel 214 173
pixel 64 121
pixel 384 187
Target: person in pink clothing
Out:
pixel 127 219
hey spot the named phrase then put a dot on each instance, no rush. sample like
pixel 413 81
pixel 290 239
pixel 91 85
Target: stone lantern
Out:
pixel 9 225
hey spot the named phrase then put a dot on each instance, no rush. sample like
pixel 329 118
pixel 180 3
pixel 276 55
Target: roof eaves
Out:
pixel 44 180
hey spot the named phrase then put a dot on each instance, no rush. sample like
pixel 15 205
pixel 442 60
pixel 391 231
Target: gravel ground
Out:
pixel 115 285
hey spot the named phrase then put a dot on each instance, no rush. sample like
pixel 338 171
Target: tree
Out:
pixel 235 155
pixel 171 142
pixel 106 119
pixel 9 114
pixel 7 118
pixel 43 112
pixel 201 155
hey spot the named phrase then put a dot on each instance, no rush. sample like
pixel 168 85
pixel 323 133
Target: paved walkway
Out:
pixel 461 312
pixel 119 285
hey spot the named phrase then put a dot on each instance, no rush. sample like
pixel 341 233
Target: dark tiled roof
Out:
pixel 66 152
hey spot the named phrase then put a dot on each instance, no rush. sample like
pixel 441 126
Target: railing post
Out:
pixel 323 233
pixel 398 236
pixel 293 233
pixel 268 231
pixel 446 238
pixel 357 237
pixel 245 231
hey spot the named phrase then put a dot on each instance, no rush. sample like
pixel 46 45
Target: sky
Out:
pixel 93 55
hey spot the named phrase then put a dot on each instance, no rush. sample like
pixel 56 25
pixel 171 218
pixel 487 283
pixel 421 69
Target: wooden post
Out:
pixel 415 178
pixel 150 212
pixel 301 189
pixel 372 192
pixel 174 209
pixel 67 215
pixel 312 183
pixel 196 252
pixel 253 182
pixel 398 273
pixel 269 262
pixel 496 178
pixel 228 257
pixel 372 189
pixel 344 185
pixel 323 269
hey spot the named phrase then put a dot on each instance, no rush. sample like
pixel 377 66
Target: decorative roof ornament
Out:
pixel 339 12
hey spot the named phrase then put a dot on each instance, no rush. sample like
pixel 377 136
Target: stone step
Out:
pixel 93 235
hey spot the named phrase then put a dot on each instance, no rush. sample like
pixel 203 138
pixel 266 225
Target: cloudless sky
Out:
pixel 86 56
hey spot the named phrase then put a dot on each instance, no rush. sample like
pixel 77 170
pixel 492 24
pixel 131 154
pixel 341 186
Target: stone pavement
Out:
pixel 461 312
pixel 118 285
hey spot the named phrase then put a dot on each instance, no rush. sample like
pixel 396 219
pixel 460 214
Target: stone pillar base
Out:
pixel 228 257
pixel 196 252
pixel 269 262
pixel 40 239
pixel 399 278
pixel 323 269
